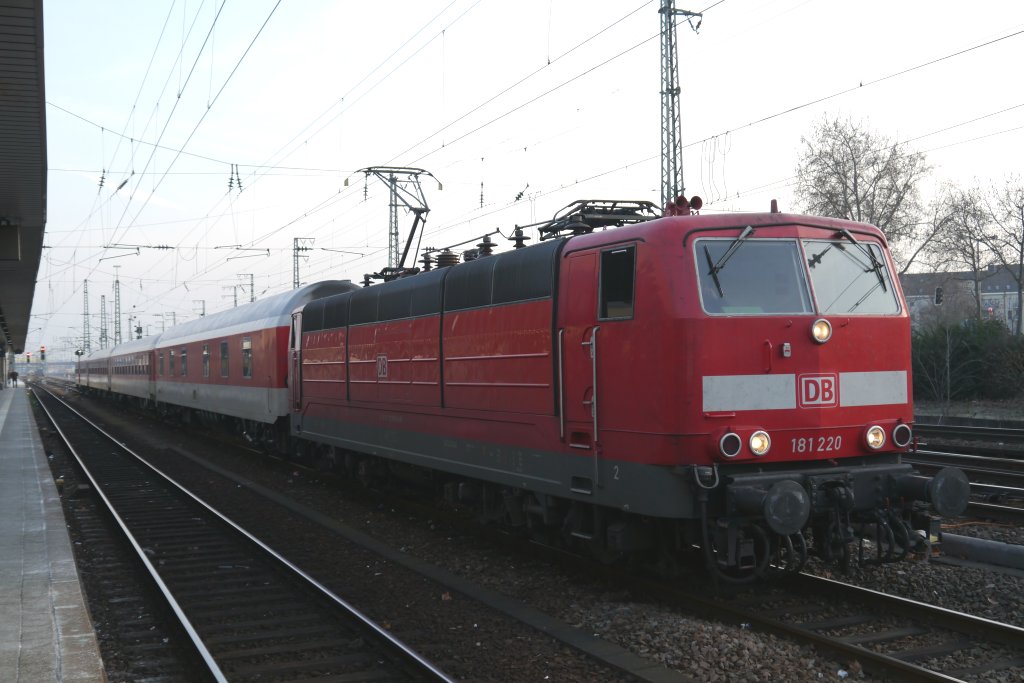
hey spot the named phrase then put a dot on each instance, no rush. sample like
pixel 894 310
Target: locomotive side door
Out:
pixel 578 304
pixel 295 363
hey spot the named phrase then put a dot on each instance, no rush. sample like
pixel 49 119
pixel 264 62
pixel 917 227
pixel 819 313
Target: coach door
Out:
pixel 295 363
pixel 578 350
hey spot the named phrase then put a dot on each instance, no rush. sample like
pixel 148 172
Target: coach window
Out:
pixel 223 359
pixel 184 361
pixel 206 360
pixel 160 363
pixel 170 362
pixel 618 269
pixel 247 357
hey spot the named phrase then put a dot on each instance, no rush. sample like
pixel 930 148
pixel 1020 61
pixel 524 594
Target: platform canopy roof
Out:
pixel 22 165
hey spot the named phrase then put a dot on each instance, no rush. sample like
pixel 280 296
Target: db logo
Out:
pixel 818 391
pixel 382 366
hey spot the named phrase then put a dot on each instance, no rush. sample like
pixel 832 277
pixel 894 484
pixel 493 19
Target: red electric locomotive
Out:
pixel 728 381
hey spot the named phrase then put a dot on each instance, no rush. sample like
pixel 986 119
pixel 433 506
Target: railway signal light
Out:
pixel 42 354
pixel 28 357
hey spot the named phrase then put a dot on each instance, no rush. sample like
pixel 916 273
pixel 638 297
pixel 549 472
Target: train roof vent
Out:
pixel 586 215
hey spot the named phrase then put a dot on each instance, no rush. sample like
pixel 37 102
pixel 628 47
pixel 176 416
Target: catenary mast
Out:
pixel 671 146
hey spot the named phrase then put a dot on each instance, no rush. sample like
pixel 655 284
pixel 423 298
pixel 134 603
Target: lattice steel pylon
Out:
pixel 671 146
pixel 86 341
pixel 117 307
pixel 406 191
pixel 103 321
pixel 300 244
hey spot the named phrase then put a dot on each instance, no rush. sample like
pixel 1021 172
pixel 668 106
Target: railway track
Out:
pixel 909 640
pixel 960 432
pixel 249 614
pixel 138 637
pixel 885 635
pixel 997 483
pixel 988 475
pixel 991 457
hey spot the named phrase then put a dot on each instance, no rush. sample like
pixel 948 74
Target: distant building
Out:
pixel 949 297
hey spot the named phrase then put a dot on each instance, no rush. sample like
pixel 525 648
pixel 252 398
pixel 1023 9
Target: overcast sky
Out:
pixel 169 103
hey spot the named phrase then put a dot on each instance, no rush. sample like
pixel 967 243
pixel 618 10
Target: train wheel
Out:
pixel 598 545
pixel 323 458
pixel 371 473
pixel 666 565
pixel 297 452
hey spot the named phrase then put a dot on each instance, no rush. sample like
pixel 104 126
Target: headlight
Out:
pixel 730 445
pixel 760 442
pixel 821 330
pixel 901 435
pixel 875 437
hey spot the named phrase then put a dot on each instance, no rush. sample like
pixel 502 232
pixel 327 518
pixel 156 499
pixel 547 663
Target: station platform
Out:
pixel 45 630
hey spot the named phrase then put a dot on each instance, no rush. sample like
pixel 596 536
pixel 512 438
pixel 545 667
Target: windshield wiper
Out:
pixel 875 265
pixel 713 272
pixel 717 268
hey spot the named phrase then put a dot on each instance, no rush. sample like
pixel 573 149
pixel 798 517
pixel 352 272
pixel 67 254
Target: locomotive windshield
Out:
pixel 761 276
pixel 850 278
pixel 770 276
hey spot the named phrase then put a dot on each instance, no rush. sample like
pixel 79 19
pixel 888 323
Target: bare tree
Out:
pixel 1006 235
pixel 960 241
pixel 848 171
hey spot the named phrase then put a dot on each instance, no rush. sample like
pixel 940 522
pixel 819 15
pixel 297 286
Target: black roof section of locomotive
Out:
pixel 519 275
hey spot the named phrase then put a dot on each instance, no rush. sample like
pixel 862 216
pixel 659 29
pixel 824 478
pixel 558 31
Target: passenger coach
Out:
pixel 234 363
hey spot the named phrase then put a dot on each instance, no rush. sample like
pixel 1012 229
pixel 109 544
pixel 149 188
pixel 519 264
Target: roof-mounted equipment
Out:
pixel 586 215
pixel 682 206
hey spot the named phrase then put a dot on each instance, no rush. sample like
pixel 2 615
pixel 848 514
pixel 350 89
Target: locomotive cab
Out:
pixel 804 390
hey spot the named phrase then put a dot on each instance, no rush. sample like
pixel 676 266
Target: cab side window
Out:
pixel 618 279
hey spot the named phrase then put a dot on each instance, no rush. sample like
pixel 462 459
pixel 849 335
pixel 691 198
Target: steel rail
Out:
pixel 970 460
pixel 970 432
pixel 410 655
pixel 997 511
pixel 804 583
pixel 969 624
pixel 197 642
pixel 983 476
